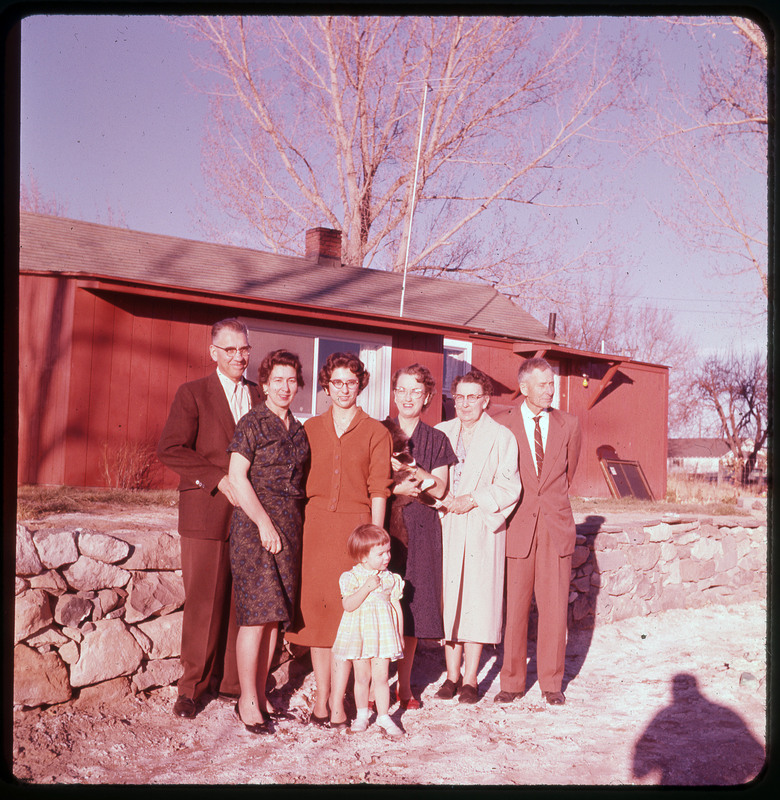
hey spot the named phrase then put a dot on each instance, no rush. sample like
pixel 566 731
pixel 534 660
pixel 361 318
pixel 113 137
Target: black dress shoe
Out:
pixel 185 707
pixel 468 694
pixel 448 689
pixel 258 727
pixel 554 698
pixel 507 697
pixel 322 722
pixel 279 714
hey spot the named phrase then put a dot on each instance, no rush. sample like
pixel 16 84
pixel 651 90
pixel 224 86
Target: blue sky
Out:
pixel 110 120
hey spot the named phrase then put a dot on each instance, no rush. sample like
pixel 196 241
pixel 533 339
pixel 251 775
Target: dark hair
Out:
pixel 347 360
pixel 231 324
pixel 364 537
pixel 529 365
pixel 279 358
pixel 475 376
pixel 421 374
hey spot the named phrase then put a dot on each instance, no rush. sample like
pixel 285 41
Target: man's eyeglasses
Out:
pixel 231 352
pixel 337 384
pixel 466 399
pixel 415 393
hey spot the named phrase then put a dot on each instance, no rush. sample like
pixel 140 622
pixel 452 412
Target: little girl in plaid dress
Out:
pixel 370 633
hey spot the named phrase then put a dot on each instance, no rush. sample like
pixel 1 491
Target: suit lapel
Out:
pixel 527 462
pixel 552 451
pixel 221 406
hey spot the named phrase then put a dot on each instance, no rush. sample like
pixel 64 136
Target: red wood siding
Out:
pixel 45 319
pixel 630 417
pixel 101 368
pixel 499 363
pixel 425 349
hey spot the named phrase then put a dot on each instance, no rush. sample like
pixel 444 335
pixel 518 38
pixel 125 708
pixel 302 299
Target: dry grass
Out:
pixel 33 501
pixel 684 494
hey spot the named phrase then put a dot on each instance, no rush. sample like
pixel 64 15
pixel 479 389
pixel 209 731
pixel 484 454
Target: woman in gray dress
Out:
pixel 268 455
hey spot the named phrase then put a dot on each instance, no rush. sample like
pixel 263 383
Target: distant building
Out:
pixel 112 321
pixel 706 458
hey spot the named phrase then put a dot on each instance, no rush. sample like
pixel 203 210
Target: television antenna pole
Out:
pixel 414 194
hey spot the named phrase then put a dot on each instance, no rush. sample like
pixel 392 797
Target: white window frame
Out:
pixel 463 347
pixel 375 352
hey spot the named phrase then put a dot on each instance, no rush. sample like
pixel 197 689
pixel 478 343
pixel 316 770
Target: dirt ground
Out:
pixel 677 698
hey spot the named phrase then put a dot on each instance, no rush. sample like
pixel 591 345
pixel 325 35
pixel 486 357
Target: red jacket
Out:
pixel 545 496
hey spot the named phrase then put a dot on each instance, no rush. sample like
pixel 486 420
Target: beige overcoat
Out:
pixel 473 544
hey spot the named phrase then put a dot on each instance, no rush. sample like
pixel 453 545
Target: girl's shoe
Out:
pixel 390 728
pixel 359 725
pixel 411 703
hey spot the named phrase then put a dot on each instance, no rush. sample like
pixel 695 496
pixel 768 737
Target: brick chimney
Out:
pixel 323 245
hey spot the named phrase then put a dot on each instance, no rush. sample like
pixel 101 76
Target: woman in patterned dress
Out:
pixel 413 390
pixel 348 484
pixel 268 455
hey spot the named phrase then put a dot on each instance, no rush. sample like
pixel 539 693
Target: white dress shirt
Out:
pixel 237 394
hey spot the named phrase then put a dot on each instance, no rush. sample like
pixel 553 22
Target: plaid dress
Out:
pixel 371 630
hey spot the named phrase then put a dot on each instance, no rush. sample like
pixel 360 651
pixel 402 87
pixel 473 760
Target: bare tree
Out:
pixel 31 199
pixel 316 120
pixel 602 314
pixel 716 143
pixel 735 386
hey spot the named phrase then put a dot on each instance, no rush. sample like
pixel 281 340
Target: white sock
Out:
pixel 362 713
pixel 384 720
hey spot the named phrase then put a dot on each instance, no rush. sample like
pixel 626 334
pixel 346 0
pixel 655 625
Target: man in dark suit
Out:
pixel 194 444
pixel 540 535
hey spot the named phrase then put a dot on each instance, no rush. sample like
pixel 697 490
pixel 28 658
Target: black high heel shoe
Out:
pixel 258 727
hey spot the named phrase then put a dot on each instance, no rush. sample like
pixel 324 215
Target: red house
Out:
pixel 112 321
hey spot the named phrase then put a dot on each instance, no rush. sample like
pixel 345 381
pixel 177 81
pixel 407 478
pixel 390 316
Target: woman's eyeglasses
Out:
pixel 466 399
pixel 415 393
pixel 337 384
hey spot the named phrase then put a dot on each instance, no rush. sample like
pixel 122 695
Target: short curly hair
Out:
pixel 347 360
pixel 475 376
pixel 421 374
pixel 363 538
pixel 281 358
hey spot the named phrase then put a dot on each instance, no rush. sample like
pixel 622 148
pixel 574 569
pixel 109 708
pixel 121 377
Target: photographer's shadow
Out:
pixel 694 742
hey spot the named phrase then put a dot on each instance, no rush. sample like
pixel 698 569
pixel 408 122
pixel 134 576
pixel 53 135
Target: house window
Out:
pixel 313 345
pixel 457 362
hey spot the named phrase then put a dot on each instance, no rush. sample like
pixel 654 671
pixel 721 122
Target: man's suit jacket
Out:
pixel 544 496
pixel 194 444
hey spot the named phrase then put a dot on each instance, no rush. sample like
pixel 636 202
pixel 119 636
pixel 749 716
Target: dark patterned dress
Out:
pixel 264 584
pixel 422 598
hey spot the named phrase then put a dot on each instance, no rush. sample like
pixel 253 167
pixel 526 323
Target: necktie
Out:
pixel 236 404
pixel 539 447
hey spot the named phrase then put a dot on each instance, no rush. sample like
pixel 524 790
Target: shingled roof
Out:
pixel 697 448
pixel 55 244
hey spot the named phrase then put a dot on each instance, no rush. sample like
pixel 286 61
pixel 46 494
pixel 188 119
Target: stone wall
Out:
pixel 99 614
pixel 642 567
pixel 95 613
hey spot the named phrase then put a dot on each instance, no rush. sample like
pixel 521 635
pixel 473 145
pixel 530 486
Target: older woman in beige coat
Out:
pixel 485 487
